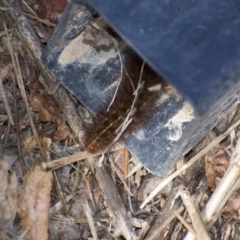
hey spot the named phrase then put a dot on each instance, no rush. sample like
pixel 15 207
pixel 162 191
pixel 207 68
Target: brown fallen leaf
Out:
pixel 216 163
pixel 61 133
pixel 47 110
pixel 29 143
pixel 233 207
pixel 34 203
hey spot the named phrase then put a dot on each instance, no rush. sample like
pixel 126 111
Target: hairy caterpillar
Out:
pixel 132 106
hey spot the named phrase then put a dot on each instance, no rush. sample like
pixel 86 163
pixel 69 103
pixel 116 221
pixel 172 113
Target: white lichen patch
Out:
pixel 175 124
pixel 78 51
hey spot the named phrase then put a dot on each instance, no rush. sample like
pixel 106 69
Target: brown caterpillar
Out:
pixel 132 106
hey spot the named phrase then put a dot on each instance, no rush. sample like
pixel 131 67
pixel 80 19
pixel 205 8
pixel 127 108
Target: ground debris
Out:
pixel 51 189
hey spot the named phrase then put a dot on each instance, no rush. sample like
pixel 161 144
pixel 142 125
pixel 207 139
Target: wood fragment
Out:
pixel 158 230
pixel 53 165
pixel 195 216
pixel 114 203
pixel 187 226
pixel 88 214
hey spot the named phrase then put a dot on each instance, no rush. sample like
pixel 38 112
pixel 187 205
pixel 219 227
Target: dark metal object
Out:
pixel 178 42
pixel 193 44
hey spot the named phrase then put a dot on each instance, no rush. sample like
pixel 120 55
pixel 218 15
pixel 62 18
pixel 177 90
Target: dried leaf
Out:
pixel 48 109
pixel 29 145
pixel 34 203
pixel 149 184
pixel 61 133
pixel 216 163
pixel 233 207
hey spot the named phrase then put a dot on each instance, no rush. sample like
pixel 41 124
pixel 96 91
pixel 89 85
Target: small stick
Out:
pixel 126 160
pixel 188 164
pixel 53 165
pixel 24 97
pixel 87 211
pixel 118 81
pixel 121 177
pixel 165 223
pixel 18 75
pixel 60 194
pixel 90 188
pixel 187 226
pixel 195 216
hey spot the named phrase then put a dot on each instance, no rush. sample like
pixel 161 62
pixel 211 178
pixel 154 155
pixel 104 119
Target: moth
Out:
pixel 128 109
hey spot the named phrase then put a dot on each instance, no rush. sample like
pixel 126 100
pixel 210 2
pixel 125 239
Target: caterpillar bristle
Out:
pixel 128 108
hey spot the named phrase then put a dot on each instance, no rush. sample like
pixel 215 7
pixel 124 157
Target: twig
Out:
pixel 188 164
pixel 24 97
pixel 60 195
pixel 129 116
pixel 90 188
pixel 119 82
pixel 56 208
pixel 194 214
pixel 87 211
pixel 115 206
pixel 18 75
pixel 53 165
pixel 120 176
pixel 165 224
pixel 136 168
pixel 187 226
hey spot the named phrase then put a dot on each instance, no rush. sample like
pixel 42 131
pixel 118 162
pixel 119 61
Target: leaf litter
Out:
pixel 50 189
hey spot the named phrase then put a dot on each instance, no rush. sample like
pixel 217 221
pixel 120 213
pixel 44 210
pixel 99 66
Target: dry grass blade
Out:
pixel 58 206
pixel 115 206
pixel 121 177
pixel 136 168
pixel 60 194
pixel 188 164
pixel 21 86
pixel 87 211
pixel 165 223
pixel 187 226
pixel 195 216
pixel 53 165
pixel 24 97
